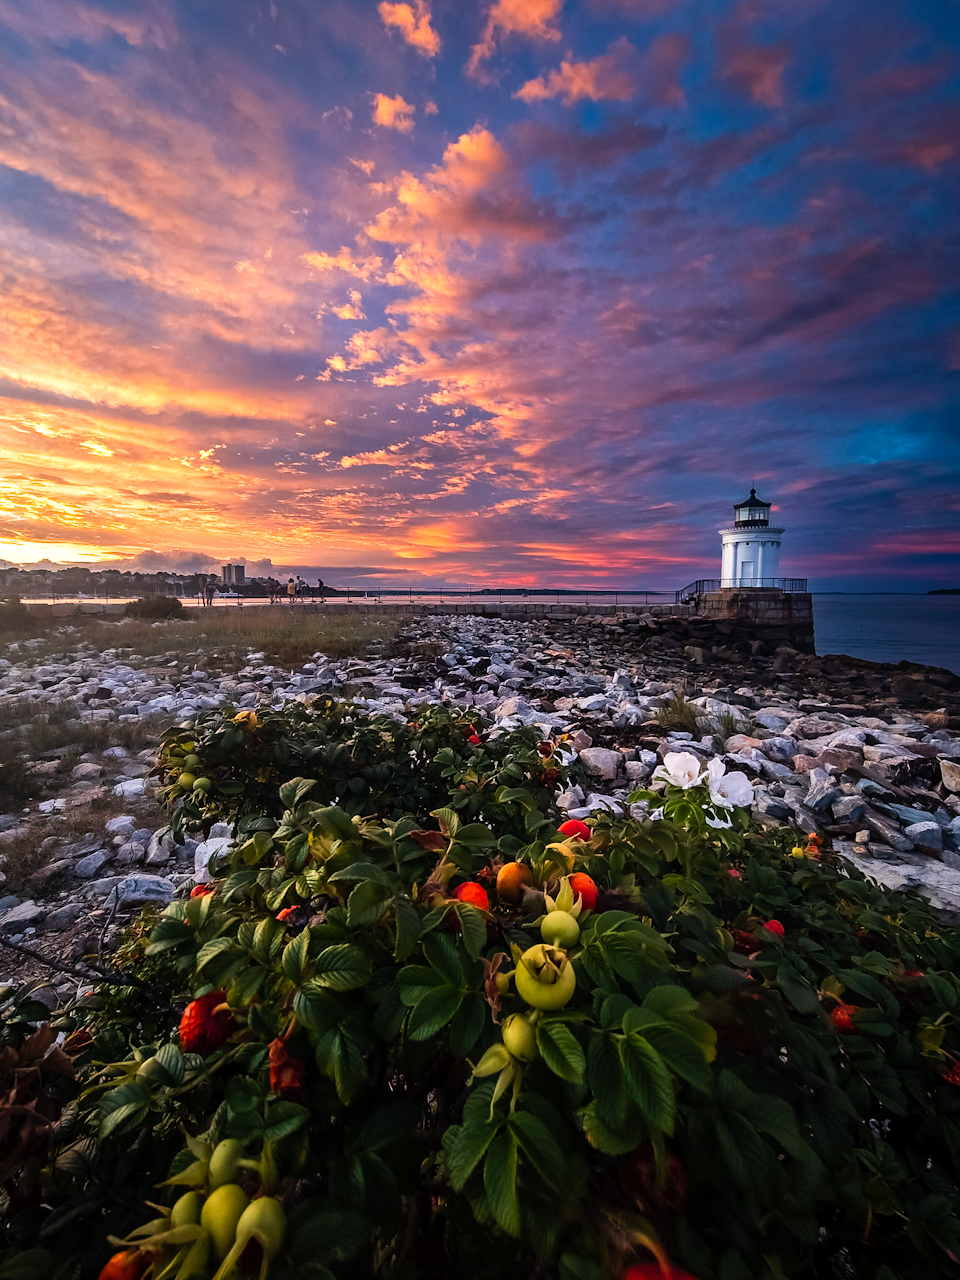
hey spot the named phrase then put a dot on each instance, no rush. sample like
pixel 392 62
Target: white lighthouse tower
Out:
pixel 751 548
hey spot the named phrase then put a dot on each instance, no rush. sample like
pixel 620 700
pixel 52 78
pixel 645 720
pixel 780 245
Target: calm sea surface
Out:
pixel 887 628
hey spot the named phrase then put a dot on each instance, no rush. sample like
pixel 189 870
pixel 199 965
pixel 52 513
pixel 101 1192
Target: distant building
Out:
pixel 233 575
pixel 751 548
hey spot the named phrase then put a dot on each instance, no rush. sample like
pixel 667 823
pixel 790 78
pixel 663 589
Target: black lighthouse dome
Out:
pixel 752 513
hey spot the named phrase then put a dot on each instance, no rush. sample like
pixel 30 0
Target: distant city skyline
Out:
pixel 524 291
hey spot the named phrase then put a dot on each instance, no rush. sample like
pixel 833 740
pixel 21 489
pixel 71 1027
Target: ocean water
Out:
pixel 888 628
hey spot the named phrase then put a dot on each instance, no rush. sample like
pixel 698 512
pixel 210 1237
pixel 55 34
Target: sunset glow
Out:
pixel 521 291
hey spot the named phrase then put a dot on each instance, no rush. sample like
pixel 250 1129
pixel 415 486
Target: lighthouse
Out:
pixel 751 548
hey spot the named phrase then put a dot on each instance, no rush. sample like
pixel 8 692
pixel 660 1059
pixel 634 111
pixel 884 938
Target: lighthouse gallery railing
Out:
pixel 703 585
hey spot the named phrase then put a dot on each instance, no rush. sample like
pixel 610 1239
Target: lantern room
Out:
pixel 752 513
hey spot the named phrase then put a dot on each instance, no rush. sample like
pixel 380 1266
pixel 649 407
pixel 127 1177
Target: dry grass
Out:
pixel 286 635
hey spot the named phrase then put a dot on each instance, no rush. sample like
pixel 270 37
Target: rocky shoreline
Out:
pixel 865 754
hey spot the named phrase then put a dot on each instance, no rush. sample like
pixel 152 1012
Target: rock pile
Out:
pixel 865 754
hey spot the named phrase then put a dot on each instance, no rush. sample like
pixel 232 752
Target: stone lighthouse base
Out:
pixel 771 614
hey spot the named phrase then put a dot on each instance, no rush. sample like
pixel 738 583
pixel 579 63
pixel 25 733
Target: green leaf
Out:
pixel 613 1010
pixel 242 1094
pixel 448 821
pixel 667 1001
pixel 284 1118
pixel 612 1140
pixel 367 903
pixel 292 792
pixel 575 1267
pixel 445 956
pixel 295 956
pixel 464 1146
pixel 800 994
pixel 874 1022
pixel 500 1182
pixel 315 1008
pixel 539 1147
pixel 171 1059
pixel 167 933
pixel 116 1118
pixel 341 968
pixel 246 985
pixel 681 1054
pixel 267 939
pixel 433 1012
pixel 560 1050
pixel 414 981
pixel 256 848
pixel 466 1025
pixel 648 1081
pixel 362 871
pixel 519 795
pixel 606 1079
pixel 473 927
pixel 340 1057
pixel 476 836
pixel 407 927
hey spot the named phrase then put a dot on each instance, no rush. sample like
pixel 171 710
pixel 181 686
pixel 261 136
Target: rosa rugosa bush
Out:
pixel 404 1083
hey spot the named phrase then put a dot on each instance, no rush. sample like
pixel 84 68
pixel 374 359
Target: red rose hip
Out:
pixel 205 1027
pixel 582 884
pixel 473 893
pixel 575 829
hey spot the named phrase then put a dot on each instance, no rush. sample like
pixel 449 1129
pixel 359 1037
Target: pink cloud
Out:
pixel 413 21
pixel 531 18
pixel 757 70
pixel 608 77
pixel 393 113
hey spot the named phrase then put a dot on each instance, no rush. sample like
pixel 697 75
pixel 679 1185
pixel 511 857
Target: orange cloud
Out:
pixel 363 268
pixel 428 540
pixel 350 310
pixel 393 113
pixel 414 24
pixel 604 78
pixel 531 18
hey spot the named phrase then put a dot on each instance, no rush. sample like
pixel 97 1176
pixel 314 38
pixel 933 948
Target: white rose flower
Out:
pixel 728 789
pixel 680 769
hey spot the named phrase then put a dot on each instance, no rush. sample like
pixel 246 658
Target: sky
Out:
pixel 518 292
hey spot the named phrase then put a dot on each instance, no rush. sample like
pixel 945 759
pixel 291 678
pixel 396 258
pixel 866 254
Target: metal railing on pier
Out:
pixel 703 585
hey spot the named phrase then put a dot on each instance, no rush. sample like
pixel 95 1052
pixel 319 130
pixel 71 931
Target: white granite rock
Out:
pixel 130 788
pixel 124 825
pixel 141 890
pixel 602 762
pixel 204 852
pixel 925 835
